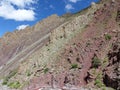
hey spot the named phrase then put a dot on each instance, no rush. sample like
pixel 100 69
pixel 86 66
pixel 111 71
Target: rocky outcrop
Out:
pixel 112 71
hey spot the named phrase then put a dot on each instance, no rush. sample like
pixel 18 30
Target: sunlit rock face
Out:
pixel 12 44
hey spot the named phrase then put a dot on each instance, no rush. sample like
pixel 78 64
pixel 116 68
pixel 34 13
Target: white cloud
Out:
pixel 68 7
pixel 73 1
pixel 21 27
pixel 69 3
pixel 8 11
pixel 21 3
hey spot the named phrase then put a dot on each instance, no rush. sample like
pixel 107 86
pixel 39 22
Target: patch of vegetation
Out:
pixel 103 88
pixel 99 83
pixel 74 66
pixel 28 73
pixel 99 76
pixel 107 37
pixel 15 85
pixel 12 73
pixel 48 49
pixel 107 88
pixel 46 70
pixel 96 62
pixel 98 79
pixel 93 70
pixel 6 79
pixel 105 62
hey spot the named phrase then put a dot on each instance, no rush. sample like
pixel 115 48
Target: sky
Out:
pixel 18 14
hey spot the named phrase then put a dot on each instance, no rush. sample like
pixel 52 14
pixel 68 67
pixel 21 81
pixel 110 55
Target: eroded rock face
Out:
pixel 112 72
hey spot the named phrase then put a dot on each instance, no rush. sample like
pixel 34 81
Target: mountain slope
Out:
pixel 73 53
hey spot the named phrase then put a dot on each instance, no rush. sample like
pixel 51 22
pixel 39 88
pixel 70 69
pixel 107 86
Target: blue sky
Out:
pixel 17 14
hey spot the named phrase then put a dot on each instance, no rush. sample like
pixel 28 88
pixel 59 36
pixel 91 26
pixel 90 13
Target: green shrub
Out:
pixel 96 62
pixel 74 66
pixel 12 73
pixel 104 88
pixel 15 85
pixel 107 36
pixel 28 73
pixel 5 81
pixel 99 83
pixel 99 76
pixel 46 70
